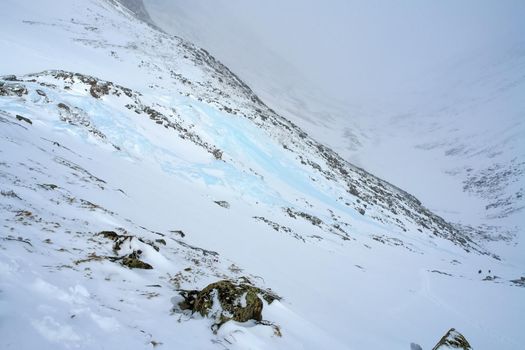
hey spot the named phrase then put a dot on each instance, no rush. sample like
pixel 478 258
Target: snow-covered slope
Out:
pixel 456 130
pixel 284 87
pixel 124 147
pixel 465 136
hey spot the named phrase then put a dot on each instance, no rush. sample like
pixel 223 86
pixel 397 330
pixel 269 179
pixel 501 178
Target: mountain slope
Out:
pixel 456 129
pixel 469 124
pixel 144 147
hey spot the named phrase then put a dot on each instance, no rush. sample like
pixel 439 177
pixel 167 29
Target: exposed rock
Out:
pixel 179 232
pixel 202 251
pixel 280 228
pixel 314 220
pixel 10 193
pixel 227 300
pixel 24 119
pixel 490 278
pixel 63 106
pixel 109 235
pixel 223 204
pixel 133 262
pixel 519 282
pixel 48 187
pixel 16 239
pixel 452 340
pixel 10 77
pixel 120 239
pixel 13 89
pixel 217 153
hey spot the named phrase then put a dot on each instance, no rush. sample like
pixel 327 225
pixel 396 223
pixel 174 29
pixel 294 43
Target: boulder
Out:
pixel 227 300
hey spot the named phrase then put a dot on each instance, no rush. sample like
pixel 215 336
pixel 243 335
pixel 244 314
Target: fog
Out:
pixel 354 50
pixel 425 94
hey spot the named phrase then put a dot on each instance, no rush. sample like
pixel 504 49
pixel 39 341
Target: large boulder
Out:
pixel 227 300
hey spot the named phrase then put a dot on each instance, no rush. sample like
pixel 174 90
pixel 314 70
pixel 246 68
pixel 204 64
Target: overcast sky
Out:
pixel 361 48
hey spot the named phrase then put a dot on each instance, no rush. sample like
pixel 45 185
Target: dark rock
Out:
pixel 24 119
pixel 353 190
pixel 10 77
pixel 217 153
pixel 12 89
pixel 223 204
pixel 118 239
pixel 314 220
pixel 452 340
pixel 490 278
pixel 63 106
pixel 97 90
pixel 189 299
pixel 109 235
pixel 48 187
pixel 519 282
pixel 179 232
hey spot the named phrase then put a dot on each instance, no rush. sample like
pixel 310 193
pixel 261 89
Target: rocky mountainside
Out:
pixel 456 128
pixel 136 170
pixel 307 168
pixel 138 9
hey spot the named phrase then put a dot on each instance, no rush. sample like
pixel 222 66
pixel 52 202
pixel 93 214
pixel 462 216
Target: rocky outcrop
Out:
pixel 133 262
pixel 452 340
pixel 227 300
pixel 223 204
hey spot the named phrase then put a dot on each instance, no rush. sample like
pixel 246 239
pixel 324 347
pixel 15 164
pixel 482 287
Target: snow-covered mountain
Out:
pixel 273 78
pixel 457 129
pixel 135 166
pixel 465 135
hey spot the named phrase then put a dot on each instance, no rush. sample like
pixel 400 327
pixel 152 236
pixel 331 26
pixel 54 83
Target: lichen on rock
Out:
pixel 227 300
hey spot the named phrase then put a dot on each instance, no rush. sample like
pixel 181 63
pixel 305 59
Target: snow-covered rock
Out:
pixel 453 340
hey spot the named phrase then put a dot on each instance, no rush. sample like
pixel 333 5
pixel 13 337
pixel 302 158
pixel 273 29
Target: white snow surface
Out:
pixel 87 163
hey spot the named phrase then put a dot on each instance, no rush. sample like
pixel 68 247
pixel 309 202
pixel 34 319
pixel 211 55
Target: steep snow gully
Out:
pixel 149 199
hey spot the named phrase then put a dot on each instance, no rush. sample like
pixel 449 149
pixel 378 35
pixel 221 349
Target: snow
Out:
pixel 456 129
pixel 381 287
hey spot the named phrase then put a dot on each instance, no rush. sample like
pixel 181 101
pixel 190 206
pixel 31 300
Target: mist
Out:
pixel 353 50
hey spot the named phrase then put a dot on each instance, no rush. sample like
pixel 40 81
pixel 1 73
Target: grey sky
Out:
pixel 361 49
